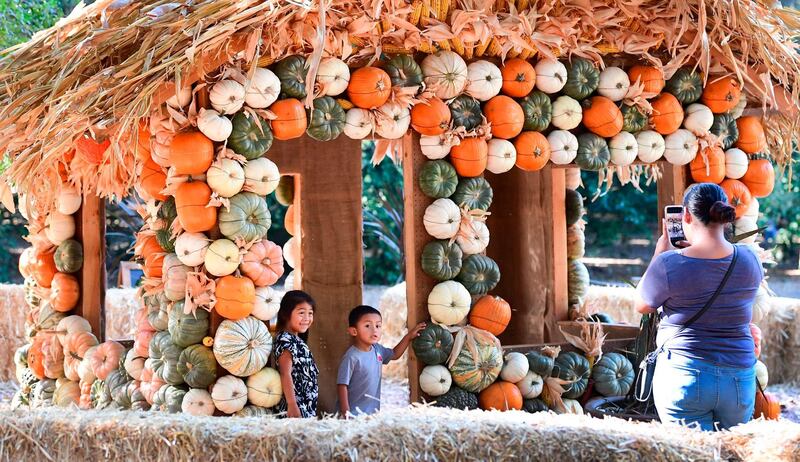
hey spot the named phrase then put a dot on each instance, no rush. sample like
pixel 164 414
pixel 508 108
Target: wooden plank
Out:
pixel 671 185
pixel 91 230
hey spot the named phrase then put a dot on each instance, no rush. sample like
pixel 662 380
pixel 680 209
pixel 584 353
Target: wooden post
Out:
pixel 91 230
pixel 673 183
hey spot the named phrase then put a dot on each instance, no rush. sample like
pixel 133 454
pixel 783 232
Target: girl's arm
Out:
pixel 403 345
pixel 285 365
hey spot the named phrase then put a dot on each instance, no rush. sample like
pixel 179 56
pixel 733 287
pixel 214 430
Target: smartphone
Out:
pixel 674 216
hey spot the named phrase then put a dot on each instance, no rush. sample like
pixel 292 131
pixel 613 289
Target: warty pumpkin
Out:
pixel 191 199
pixel 242 347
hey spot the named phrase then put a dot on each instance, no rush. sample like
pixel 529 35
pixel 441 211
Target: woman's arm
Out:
pixel 653 282
pixel 285 365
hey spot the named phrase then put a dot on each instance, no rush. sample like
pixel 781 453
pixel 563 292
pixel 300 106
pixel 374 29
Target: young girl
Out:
pixel 296 365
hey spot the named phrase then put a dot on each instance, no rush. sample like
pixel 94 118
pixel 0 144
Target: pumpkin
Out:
pixel 433 345
pixel 712 171
pixel 738 110
pixel 576 242
pixel 505 116
pixel 291 252
pixel 153 180
pixel 92 151
pixel 470 157
pixel 751 135
pixel 441 260
pixel 404 71
pixel 369 87
pixel 42 393
pixel 759 177
pixel 479 274
pixel 567 113
pixel 651 145
pixel 164 356
pixel 577 281
pixel 473 193
pixel 435 380
pixel 248 218
pixel 551 75
pixel 292 73
pixel 501 396
pixel 174 274
pixel 667 114
pixel 484 80
pixel 169 399
pixel 187 328
pixel 358 123
pixel 686 85
pixel 225 177
pixel 59 227
pixel 614 83
pixel 752 209
pixel 264 388
pixel 191 199
pixel 181 98
pixel 52 356
pixel 572 406
pixel 68 257
pixel 563 147
pixel 261 176
pixel 197 366
pixel 533 151
pixel 229 394
pixel 431 117
pixel 158 315
pixel 767 406
pixel 251 136
pixel 290 119
pixel 583 78
pixel 490 313
pixel 227 96
pixel 575 368
pixel 538 111
pixel 64 292
pixel 699 119
pixel 501 156
pixel 743 226
pixel 448 303
pixel 71 325
pixel 68 200
pixel 190 248
pixel 67 393
pixel 573 206
pixel 592 153
pixel 725 128
pixel 457 398
pixel 465 111
pixel 262 89
pixel 445 74
pixel 333 76
pixel 25 263
pixel 601 116
pixel 267 303
pixel 263 263
pixel 633 120
pixel 613 375
pixel 681 147
pixel 243 346
pixel 540 363
pixel 473 237
pixel 531 385
pixel 721 94
pixel 736 163
pixel 393 120
pixel 534 405
pixel 434 147
pixel 519 77
pixel 191 153
pixel 623 148
pixel 134 364
pixel 762 374
pixel 75 346
pixel 442 219
pixel 106 358
pixel 515 368
pixel 253 411
pixel 222 257
pixel 438 179
pixel 197 402
pixel 650 77
pixel 235 297
pixel 474 372
pixel 327 119
pixel 213 125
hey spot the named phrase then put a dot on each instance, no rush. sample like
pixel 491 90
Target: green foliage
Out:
pixel 20 19
pixel 782 210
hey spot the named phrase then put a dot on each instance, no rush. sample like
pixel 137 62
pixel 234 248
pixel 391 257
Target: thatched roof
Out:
pixel 101 69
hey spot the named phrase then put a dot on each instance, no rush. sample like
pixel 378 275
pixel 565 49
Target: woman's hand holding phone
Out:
pixel 664 243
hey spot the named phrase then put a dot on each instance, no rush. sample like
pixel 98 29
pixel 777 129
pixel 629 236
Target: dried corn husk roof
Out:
pixel 100 70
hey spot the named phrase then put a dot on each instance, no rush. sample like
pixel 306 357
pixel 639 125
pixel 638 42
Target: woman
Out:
pixel 704 374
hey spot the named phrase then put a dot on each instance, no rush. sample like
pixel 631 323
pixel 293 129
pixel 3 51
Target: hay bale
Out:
pixel 121 307
pixel 12 328
pixel 614 301
pixel 780 348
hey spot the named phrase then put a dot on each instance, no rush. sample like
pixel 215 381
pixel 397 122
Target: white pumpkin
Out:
pixel 680 147
pixel 698 119
pixel 445 73
pixel 573 406
pixel 174 275
pixel 358 123
pixel 191 248
pixel 229 394
pixel 502 156
pixel 227 96
pixel 762 374
pixel 292 281
pixel 225 177
pixel 264 388
pixel 752 209
pixel 435 380
pixel 473 240
pixel 736 163
pixel 614 83
pixel 291 252
pixel 261 176
pixel 69 200
pixel 222 257
pixel 516 367
pixel 85 372
pixel 624 148
pixel 392 121
pixel 737 110
pixel 70 325
pixel 745 225
pixel 567 113
pixel 442 219
pixel 531 385
pixel 267 303
pixel 448 303
pixel 180 99
pixel 651 145
pixel 551 75
pixel 433 147
pixel 197 402
pixel 333 75
pixel 484 80
pixel 563 147
pixel 134 364
pixel 59 227
pixel 214 126
pixel 263 89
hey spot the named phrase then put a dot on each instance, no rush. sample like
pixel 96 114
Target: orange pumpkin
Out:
pixel 651 77
pixel 602 116
pixel 290 220
pixel 519 77
pixel 149 249
pixel 767 406
pixel 236 297
pixel 92 151
pixel 759 177
pixel 64 292
pixel 52 356
pixel 153 265
pixel 739 195
pixel 722 95
pixel 75 346
pixel 505 116
pixel 369 87
pixel 36 356
pixel 751 135
pixel 263 263
pixel 85 401
pixel 63 165
pixel 431 117
pixel 290 119
pixel 106 358
pixel 533 151
pixel 142 343
pixel 667 114
pixel 191 153
pixel 191 199
pixel 470 157
pixel 44 267
pixel 714 172
pixel 490 313
pixel 153 180
pixel 501 396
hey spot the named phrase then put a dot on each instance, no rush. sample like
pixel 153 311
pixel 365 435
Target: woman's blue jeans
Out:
pixel 701 393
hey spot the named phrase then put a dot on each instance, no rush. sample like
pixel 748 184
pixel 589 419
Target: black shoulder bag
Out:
pixel 644 380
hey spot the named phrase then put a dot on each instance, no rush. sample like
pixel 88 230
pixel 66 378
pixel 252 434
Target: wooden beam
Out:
pixel 673 182
pixel 91 230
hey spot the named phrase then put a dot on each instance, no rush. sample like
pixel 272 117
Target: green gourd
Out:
pixel 479 274
pixel 578 281
pixel 187 328
pixel 613 375
pixel 197 366
pixel 248 217
pixel 251 136
pixel 327 119
pixel 538 111
pixel 574 368
pixel 583 78
pixel 725 128
pixel 573 203
pixel 441 259
pixel 404 71
pixel 686 85
pixel 457 398
pixel 292 73
pixel 433 345
pixel 540 363
pixel 465 111
pixel 474 193
pixel 593 153
pixel 69 256
pixel 633 120
pixel 438 179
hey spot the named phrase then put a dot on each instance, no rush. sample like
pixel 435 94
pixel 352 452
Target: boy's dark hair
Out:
pixel 288 303
pixel 359 312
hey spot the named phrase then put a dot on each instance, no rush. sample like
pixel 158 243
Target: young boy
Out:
pixel 359 379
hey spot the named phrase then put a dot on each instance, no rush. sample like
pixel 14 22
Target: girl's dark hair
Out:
pixel 288 303
pixel 708 203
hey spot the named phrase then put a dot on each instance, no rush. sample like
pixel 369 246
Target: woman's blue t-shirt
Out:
pixel 682 285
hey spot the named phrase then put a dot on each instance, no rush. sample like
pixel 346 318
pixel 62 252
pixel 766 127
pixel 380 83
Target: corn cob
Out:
pixel 458 46
pixel 395 50
pixel 494 48
pixel 265 61
pixel 606 48
pixel 357 42
pixel 345 104
pixel 435 8
pixel 386 25
pixel 444 9
pixel 481 48
pixel 469 52
pixel 444 45
pixel 416 12
pixel 522 5
pixel 512 53
pixel 426 47
pixel 426 9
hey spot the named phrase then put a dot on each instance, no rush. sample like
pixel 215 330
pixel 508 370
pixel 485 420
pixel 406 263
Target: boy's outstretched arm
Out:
pixel 411 335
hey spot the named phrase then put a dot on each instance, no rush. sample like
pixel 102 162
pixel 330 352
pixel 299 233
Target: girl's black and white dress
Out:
pixel 304 374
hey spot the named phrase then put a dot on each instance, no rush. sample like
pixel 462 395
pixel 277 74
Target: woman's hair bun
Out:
pixel 722 212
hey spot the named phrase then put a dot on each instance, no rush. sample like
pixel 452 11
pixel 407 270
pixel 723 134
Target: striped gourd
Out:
pixel 242 347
